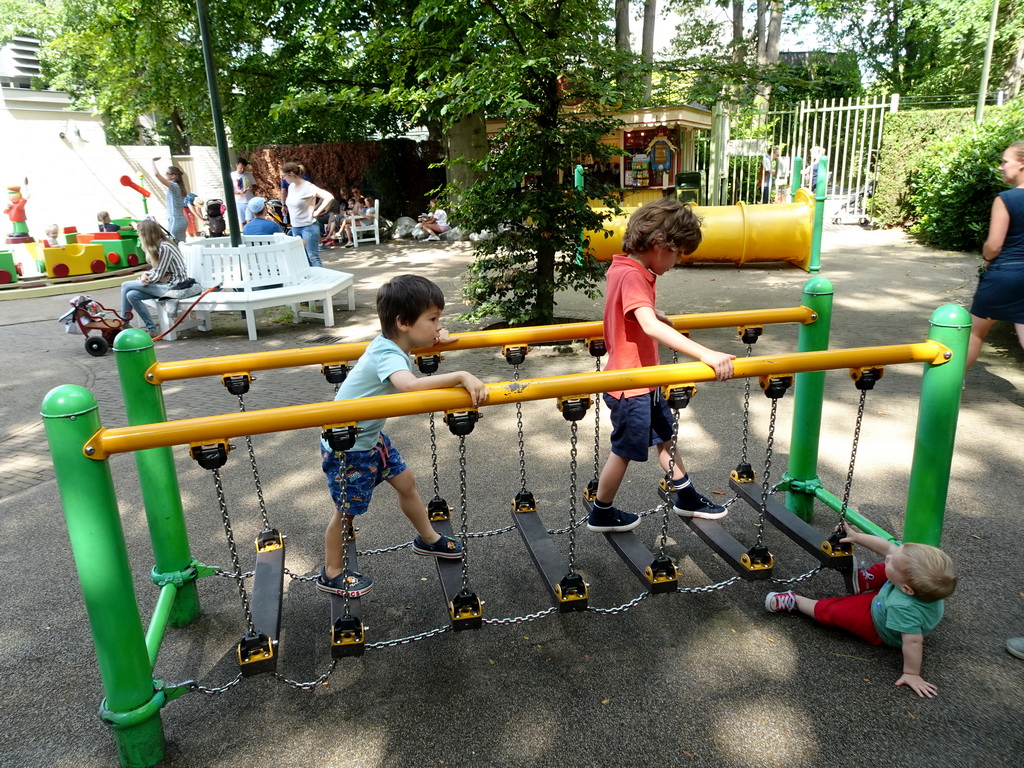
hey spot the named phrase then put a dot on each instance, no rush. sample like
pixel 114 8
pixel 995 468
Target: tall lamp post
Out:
pixel 979 111
pixel 218 121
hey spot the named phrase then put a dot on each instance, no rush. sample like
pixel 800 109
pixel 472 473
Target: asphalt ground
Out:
pixel 702 678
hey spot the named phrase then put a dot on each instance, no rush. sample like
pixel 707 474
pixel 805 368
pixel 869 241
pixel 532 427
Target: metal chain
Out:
pixel 746 409
pixel 597 426
pixel 409 638
pixel 801 577
pixel 519 430
pixel 192 685
pixel 231 575
pixel 571 527
pixel 463 534
pixel 522 619
pixel 769 443
pixel 255 471
pixel 573 454
pixel 708 587
pixel 433 456
pixel 346 532
pixel 853 454
pixel 621 608
pixel 668 481
pixel 237 573
pixel 312 683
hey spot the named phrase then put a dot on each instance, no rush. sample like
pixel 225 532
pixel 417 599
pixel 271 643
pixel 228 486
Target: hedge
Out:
pixel 906 141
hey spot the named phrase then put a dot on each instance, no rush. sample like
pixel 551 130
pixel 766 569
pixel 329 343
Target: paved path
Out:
pixel 703 679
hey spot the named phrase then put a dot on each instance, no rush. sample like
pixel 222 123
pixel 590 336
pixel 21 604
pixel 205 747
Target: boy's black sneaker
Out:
pixel 697 505
pixel 611 520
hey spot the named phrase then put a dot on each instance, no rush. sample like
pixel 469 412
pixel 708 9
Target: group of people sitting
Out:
pixel 345 210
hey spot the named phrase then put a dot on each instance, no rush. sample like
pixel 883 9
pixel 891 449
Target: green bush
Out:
pixel 955 185
pixel 906 141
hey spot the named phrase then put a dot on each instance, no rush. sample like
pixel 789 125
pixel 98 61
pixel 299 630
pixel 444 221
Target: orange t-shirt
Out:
pixel 629 285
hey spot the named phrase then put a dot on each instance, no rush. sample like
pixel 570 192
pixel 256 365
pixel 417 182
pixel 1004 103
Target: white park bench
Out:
pixel 265 271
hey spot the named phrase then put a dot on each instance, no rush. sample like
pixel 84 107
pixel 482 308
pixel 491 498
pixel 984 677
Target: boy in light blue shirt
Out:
pixel 409 308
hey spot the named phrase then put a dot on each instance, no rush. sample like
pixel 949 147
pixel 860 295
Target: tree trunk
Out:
pixel 759 31
pixel 622 25
pixel 739 49
pixel 650 17
pixel 1014 73
pixel 466 140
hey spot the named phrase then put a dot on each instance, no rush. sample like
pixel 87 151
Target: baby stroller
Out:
pixel 275 210
pixel 856 206
pixel 215 210
pixel 87 315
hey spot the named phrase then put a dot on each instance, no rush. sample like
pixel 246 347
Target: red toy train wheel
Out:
pixel 133 259
pixel 5 277
pixel 97 266
pixel 61 270
pixel 114 258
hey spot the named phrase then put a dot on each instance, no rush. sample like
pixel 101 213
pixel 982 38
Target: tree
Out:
pixel 914 48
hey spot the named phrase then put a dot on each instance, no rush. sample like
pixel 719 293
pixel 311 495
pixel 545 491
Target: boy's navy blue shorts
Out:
pixel 639 422
pixel 366 470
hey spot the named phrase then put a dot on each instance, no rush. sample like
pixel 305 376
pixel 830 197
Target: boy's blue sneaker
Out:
pixel 695 504
pixel 611 520
pixel 446 546
pixel 356 584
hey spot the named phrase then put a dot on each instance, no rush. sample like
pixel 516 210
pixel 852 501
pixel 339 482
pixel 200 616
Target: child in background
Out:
pixel 104 224
pixel 896 602
pixel 655 236
pixel 409 308
pixel 51 241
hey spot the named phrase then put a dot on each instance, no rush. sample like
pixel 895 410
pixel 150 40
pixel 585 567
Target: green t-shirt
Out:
pixel 896 613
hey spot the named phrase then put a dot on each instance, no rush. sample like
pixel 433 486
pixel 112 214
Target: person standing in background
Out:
pixel 242 182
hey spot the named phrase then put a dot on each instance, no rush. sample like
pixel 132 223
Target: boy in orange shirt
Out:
pixel 633 328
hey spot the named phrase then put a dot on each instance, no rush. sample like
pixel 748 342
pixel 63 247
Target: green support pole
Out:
pixel 578 179
pixel 132 704
pixel 810 393
pixel 936 427
pixel 819 215
pixel 794 176
pixel 161 496
pixel 206 43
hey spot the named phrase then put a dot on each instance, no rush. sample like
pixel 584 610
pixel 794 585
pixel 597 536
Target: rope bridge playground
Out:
pixel 127 653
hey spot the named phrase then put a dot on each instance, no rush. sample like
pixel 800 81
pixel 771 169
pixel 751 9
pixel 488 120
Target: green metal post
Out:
pixel 161 496
pixel 794 176
pixel 578 179
pixel 819 215
pixel 218 120
pixel 936 427
pixel 810 392
pixel 132 704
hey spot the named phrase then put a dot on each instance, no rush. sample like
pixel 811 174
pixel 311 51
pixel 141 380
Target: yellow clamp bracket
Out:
pixel 574 407
pixel 210 455
pixel 858 373
pixel 237 383
pixel 574 590
pixel 757 565
pixel 269 540
pixel 749 334
pixel 776 383
pixel 662 575
pixel 515 354
pixel 840 551
pixel 678 395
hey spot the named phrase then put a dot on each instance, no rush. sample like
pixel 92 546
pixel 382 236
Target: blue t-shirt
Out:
pixel 896 613
pixel 369 377
pixel 262 227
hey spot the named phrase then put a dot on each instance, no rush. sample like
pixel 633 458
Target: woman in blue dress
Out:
pixel 1000 293
pixel 174 180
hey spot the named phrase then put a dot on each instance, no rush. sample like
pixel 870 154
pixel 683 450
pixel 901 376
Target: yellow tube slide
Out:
pixel 737 234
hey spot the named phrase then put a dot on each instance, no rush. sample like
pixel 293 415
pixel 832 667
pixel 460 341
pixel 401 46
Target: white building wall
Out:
pixel 73 177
